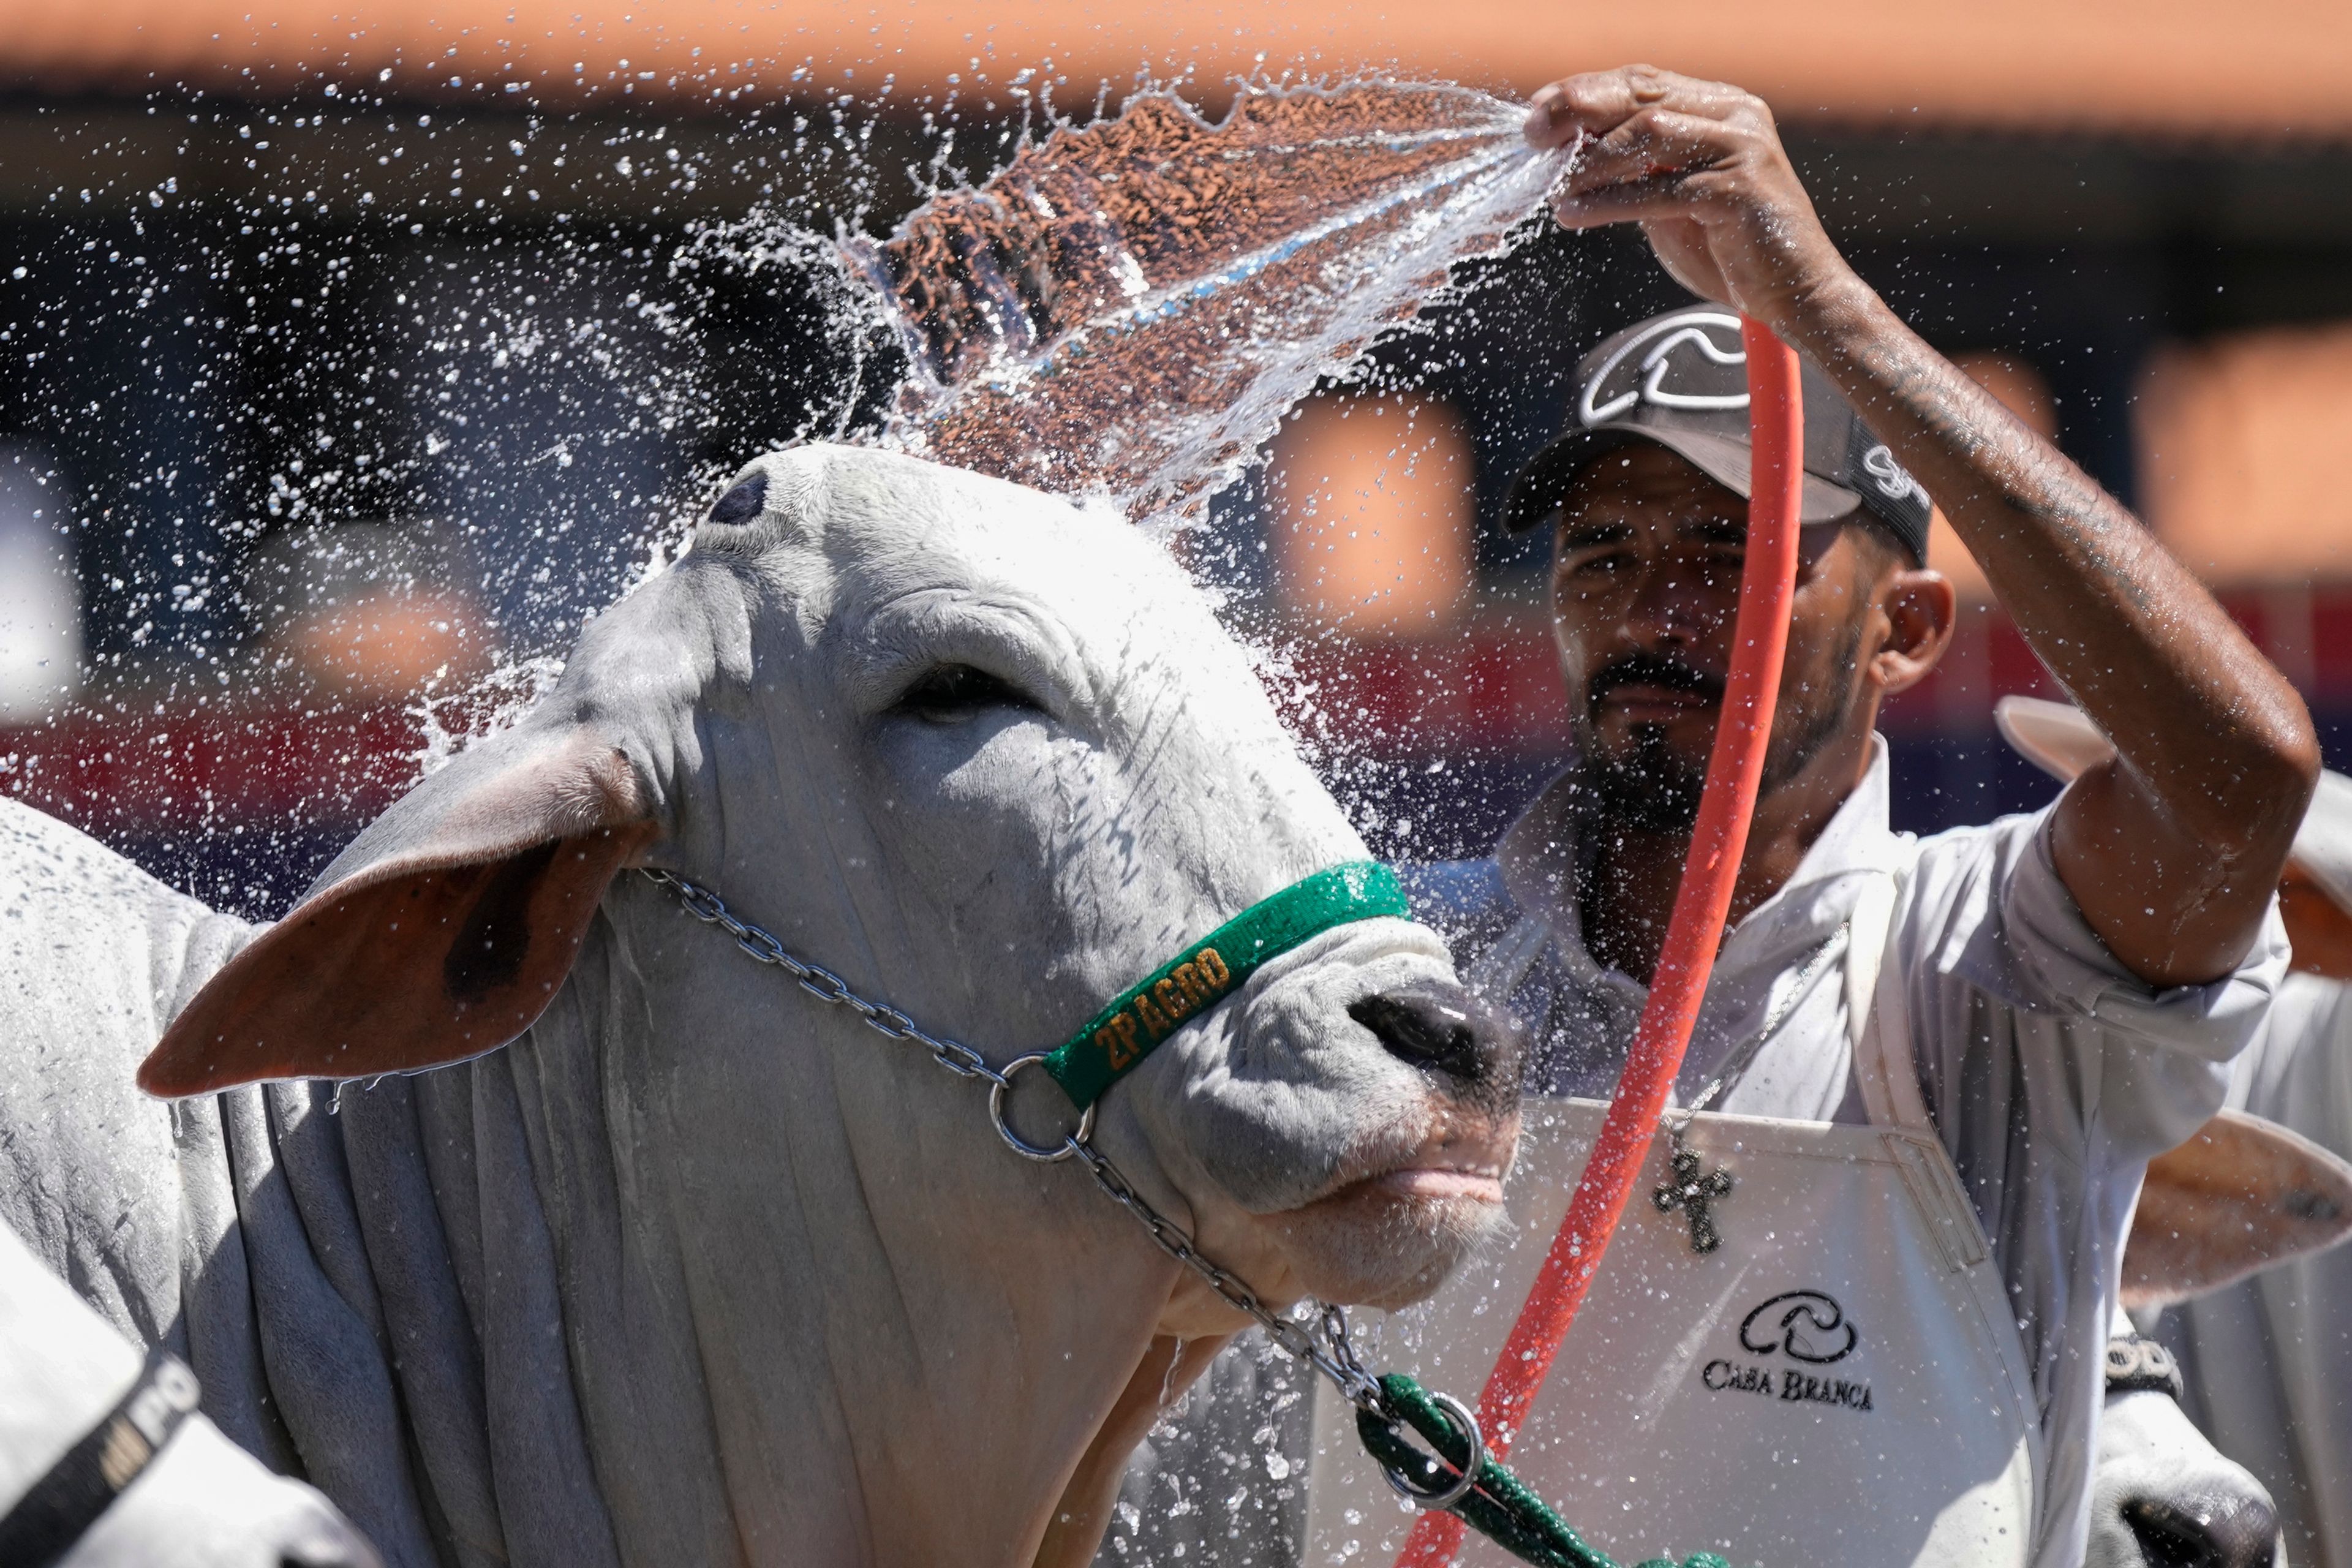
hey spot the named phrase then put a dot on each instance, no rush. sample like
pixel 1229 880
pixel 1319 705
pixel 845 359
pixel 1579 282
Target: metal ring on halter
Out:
pixel 1044 1153
pixel 1457 1489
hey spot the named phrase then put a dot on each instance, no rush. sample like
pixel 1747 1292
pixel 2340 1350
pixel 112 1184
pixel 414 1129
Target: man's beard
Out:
pixel 1651 789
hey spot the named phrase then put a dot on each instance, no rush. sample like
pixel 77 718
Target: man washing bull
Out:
pixel 1865 1321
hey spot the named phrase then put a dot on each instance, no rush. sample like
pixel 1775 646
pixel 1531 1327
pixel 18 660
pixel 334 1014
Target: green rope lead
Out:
pixel 1500 1506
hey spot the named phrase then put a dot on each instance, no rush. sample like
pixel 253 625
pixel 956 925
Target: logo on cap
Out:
pixel 1893 480
pixel 1664 336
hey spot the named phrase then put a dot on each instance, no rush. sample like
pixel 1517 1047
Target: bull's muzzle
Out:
pixel 2230 1529
pixel 1448 1030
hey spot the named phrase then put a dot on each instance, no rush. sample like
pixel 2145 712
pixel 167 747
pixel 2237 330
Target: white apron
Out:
pixel 1841 1382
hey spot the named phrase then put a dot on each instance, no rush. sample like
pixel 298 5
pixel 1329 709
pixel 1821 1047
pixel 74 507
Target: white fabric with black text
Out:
pixel 1858 1396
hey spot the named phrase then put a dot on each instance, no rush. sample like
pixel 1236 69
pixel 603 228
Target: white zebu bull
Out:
pixel 698 1270
pixel 2243 1196
pixel 102 1465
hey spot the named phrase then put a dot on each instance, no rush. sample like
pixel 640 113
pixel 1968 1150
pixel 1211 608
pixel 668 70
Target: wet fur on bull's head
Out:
pixel 988 755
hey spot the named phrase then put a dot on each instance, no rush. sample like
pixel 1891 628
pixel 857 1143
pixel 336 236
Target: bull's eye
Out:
pixel 951 693
pixel 741 504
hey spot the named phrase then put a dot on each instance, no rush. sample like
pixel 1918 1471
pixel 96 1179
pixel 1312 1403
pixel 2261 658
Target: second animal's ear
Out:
pixel 443 932
pixel 2241 1196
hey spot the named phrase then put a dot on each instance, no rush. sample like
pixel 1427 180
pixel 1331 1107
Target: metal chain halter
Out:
pixel 1460 1477
pixel 1320 1340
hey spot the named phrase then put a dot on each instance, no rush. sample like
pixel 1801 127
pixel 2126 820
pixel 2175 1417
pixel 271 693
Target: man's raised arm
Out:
pixel 2172 849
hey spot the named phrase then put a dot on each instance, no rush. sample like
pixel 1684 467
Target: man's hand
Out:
pixel 1700 167
pixel 2173 849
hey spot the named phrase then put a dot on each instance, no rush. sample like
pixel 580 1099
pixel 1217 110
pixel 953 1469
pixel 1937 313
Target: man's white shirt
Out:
pixel 2052 1073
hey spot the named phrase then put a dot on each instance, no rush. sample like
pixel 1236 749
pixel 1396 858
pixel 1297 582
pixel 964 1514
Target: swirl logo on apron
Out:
pixel 1805 1326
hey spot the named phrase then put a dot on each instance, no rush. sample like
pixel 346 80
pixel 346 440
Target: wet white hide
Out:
pixel 696 1269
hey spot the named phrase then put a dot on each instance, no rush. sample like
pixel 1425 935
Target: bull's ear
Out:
pixel 2241 1196
pixel 441 932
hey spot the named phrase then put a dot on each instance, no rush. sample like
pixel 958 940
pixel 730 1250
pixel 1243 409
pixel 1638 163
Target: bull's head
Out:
pixel 989 756
pixel 2244 1194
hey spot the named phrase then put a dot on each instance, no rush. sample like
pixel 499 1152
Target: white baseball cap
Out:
pixel 2061 740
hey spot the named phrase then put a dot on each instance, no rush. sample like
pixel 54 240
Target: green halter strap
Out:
pixel 1477 1487
pixel 1206 972
pixel 1490 1496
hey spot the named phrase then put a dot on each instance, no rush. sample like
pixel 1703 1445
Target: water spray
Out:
pixel 1074 331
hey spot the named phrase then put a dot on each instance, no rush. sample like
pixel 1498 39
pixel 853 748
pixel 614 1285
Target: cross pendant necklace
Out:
pixel 1695 1194
pixel 1691 1187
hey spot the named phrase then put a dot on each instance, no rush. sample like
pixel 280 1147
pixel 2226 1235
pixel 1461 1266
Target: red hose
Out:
pixel 1701 903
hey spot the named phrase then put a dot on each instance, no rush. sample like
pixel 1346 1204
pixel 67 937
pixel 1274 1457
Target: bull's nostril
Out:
pixel 1449 1030
pixel 1421 1031
pixel 2230 1531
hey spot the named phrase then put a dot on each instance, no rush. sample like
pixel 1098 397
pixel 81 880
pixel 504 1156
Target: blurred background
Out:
pixel 354 354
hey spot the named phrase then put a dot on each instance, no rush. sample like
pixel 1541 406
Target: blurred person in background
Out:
pixel 2044 1003
pixel 366 612
pixel 2267 1362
